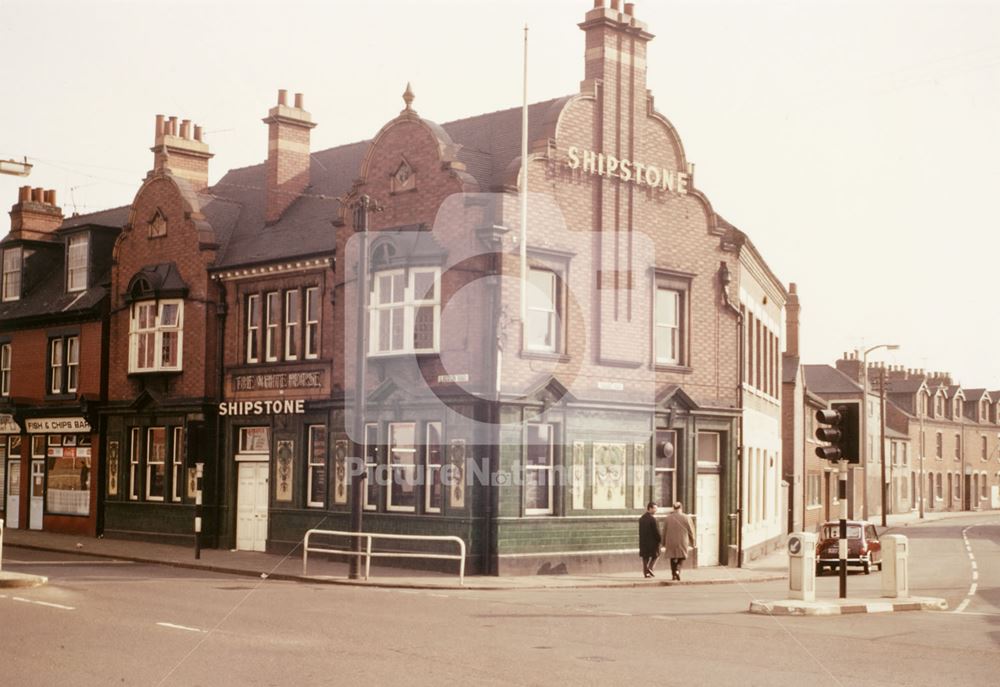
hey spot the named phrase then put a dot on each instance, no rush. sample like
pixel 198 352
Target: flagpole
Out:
pixel 524 187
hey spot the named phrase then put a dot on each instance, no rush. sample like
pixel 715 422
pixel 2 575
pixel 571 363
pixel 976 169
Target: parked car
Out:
pixel 863 546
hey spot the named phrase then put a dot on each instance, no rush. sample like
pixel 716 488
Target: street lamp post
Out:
pixel 864 427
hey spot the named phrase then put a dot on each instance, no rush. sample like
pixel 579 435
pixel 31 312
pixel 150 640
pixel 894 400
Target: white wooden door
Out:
pixel 37 494
pixel 251 507
pixel 13 493
pixel 708 519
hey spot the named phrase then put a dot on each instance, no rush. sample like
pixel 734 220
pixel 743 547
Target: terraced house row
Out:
pixel 532 374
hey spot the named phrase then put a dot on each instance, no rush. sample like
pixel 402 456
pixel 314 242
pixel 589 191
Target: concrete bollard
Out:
pixel 895 575
pixel 802 566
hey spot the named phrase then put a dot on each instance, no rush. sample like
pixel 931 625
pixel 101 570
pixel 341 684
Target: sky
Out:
pixel 854 141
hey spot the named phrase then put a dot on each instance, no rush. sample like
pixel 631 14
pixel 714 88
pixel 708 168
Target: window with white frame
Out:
pixel 814 486
pixel 155 336
pixel 76 263
pixel 312 322
pixel 177 466
pixel 156 463
pixel 405 311
pixel 542 325
pixel 668 326
pixel 371 467
pixel 316 479
pixel 64 364
pixel 895 452
pixel 434 491
pixel 272 323
pixel 133 466
pixel 292 322
pixel 403 467
pixel 12 273
pixel 665 468
pixel 984 447
pixel 5 355
pixel 253 328
pixel 956 486
pixel 538 470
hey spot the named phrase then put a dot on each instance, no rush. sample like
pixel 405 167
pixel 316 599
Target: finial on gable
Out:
pixel 408 98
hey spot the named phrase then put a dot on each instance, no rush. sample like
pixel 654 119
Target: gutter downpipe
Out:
pixel 724 279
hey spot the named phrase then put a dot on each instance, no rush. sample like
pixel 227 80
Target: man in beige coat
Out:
pixel 678 537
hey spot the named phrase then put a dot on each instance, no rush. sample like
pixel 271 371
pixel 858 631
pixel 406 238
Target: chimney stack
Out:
pixel 615 54
pixel 851 366
pixel 35 216
pixel 792 310
pixel 287 154
pixel 175 151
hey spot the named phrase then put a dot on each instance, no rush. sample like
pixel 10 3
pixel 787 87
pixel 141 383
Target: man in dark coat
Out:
pixel 649 540
pixel 678 537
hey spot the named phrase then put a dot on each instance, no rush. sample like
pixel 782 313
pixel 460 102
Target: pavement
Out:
pixel 327 570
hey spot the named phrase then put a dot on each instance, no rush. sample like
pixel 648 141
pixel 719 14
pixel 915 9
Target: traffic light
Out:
pixel 840 428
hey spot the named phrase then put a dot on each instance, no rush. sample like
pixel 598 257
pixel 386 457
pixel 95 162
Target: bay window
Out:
pixel 316 438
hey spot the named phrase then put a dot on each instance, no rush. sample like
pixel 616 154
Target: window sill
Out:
pixel 679 369
pixel 401 354
pixel 61 397
pixel 153 373
pixel 555 357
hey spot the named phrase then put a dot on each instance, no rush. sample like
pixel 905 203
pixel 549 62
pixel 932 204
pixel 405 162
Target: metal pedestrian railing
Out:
pixel 368 553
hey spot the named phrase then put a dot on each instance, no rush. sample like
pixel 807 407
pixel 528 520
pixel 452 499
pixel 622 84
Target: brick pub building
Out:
pixel 529 403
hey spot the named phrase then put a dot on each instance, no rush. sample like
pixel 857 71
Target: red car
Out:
pixel 863 547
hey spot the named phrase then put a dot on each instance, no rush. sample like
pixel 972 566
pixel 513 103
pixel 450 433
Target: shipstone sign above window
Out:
pixel 279 380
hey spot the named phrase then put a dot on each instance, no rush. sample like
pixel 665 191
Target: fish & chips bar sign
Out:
pixel 57 425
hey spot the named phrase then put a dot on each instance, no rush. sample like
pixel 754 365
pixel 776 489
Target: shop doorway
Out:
pixel 708 520
pixel 251 506
pixel 13 488
pixel 37 508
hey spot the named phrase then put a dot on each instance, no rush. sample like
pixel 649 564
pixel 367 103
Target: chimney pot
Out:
pixel 598 4
pixel 159 125
pixel 616 5
pixel 197 133
pixel 282 96
pixel 38 195
pixel 298 101
pixel 50 197
pixel 172 126
pixel 24 194
pixel 186 129
pixel 630 9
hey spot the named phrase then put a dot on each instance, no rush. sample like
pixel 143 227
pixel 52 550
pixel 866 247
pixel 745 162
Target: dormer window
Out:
pixel 984 410
pixel 76 263
pixel 12 274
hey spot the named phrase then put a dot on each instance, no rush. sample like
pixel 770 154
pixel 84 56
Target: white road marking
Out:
pixel 973 588
pixel 439 596
pixel 43 603
pixel 975 573
pixel 962 606
pixel 974 565
pixel 180 627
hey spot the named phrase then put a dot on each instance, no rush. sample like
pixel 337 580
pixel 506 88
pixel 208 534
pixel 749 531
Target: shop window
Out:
pixel 64 364
pixel 156 463
pixel 371 467
pixel 312 322
pixel 405 311
pixel 12 274
pixel 5 355
pixel 665 468
pixel 316 479
pixel 403 467
pixel 76 262
pixel 292 317
pixel 155 340
pixel 538 470
pixel 272 322
pixel 434 494
pixel 253 328
pixel 542 300
pixel 255 440
pixel 177 466
pixel 68 478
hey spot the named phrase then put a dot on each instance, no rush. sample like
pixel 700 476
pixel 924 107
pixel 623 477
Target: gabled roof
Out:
pixel 826 380
pixel 977 395
pixel 953 391
pixel 910 385
pixel 488 146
